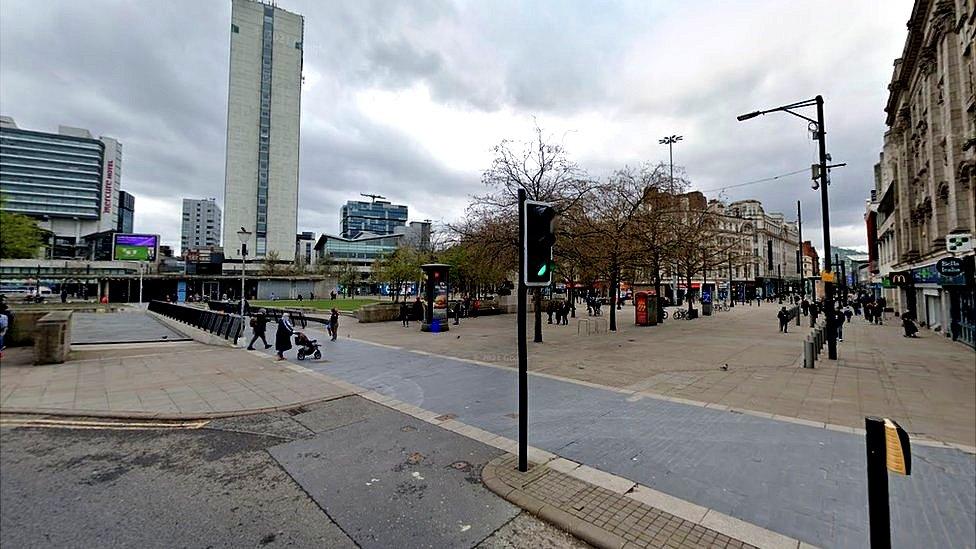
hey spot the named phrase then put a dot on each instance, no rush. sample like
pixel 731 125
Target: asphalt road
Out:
pixel 220 486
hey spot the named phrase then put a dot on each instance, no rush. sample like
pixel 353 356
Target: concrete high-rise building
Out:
pixel 69 181
pixel 263 111
pixel 377 217
pixel 201 224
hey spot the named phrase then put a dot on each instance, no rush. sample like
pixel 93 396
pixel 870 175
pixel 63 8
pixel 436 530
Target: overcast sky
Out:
pixel 405 99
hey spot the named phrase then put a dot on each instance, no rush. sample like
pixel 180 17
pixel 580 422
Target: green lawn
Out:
pixel 343 304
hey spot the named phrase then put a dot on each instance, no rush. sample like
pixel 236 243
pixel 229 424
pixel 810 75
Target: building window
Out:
pixel 235 29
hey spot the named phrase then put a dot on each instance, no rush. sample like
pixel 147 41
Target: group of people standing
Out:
pixel 559 309
pixel 284 331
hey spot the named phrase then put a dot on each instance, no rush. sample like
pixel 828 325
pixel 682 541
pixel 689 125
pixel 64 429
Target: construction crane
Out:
pixel 372 196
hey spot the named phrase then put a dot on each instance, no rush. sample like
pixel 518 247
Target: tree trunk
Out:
pixel 538 315
pixel 688 292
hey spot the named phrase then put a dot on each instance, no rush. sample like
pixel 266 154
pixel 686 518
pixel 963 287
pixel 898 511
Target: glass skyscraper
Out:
pixel 69 181
pixel 376 217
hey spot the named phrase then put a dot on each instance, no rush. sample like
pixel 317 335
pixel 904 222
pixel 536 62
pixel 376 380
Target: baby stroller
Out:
pixel 307 347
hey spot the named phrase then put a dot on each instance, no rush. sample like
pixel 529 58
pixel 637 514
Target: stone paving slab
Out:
pixel 120 327
pixel 165 381
pixel 596 514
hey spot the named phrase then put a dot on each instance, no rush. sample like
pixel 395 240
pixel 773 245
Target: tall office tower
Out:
pixel 127 210
pixel 69 181
pixel 201 224
pixel 263 108
pixel 377 217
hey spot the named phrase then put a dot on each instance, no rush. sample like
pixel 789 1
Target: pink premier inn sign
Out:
pixel 107 187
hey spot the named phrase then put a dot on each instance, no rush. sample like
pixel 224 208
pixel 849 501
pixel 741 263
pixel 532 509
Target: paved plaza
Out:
pixel 164 380
pixel 803 481
pixel 127 326
pixel 927 384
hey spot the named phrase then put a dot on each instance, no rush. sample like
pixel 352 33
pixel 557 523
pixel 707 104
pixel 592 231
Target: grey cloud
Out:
pixel 154 75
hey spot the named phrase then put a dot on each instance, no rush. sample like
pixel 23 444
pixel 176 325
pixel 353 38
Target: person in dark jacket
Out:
pixel 784 320
pixel 909 326
pixel 457 313
pixel 805 306
pixel 418 310
pixel 567 308
pixel 405 314
pixel 550 309
pixel 334 323
pixel 283 336
pixel 259 326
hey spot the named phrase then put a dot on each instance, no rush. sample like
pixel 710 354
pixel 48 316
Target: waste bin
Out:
pixel 707 308
pixel 692 314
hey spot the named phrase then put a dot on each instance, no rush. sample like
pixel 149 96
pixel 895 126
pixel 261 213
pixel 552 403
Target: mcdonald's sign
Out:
pixel 900 279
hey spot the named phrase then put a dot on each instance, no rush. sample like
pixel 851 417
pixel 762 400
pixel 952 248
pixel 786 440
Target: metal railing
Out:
pixel 227 326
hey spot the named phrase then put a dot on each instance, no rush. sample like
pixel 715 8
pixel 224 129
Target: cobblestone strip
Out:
pixel 599 516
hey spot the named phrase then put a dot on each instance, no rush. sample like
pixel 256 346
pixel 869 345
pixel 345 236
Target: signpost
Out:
pixel 888 449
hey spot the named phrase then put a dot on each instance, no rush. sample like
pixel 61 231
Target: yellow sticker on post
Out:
pixel 898 451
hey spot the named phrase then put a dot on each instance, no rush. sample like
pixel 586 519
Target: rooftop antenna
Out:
pixel 372 196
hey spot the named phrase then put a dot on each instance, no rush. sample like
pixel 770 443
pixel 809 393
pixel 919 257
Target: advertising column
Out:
pixel 435 292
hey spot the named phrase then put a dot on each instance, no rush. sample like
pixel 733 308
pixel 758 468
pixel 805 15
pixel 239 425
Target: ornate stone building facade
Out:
pixel 925 180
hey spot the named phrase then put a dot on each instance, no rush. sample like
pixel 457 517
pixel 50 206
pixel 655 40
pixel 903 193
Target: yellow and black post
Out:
pixel 888 448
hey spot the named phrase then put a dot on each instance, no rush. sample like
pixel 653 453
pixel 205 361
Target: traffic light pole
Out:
pixel 523 388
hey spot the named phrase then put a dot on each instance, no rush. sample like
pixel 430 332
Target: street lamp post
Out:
pixel 244 235
pixel 670 141
pixel 821 133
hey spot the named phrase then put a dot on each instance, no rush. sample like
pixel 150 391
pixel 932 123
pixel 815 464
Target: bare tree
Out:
pixel 606 227
pixel 543 169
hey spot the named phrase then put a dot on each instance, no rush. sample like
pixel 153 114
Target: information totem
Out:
pixel 435 293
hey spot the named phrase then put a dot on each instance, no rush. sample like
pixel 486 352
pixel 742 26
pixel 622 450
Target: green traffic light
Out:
pixel 543 269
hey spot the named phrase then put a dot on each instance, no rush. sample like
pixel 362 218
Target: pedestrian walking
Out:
pixel 550 309
pixel 259 327
pixel 839 327
pixel 404 315
pixel 848 313
pixel 334 323
pixel 283 336
pixel 457 313
pixel 784 320
pixel 567 308
pixel 805 307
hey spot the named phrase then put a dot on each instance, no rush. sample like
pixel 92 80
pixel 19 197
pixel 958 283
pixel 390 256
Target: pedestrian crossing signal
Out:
pixel 537 240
